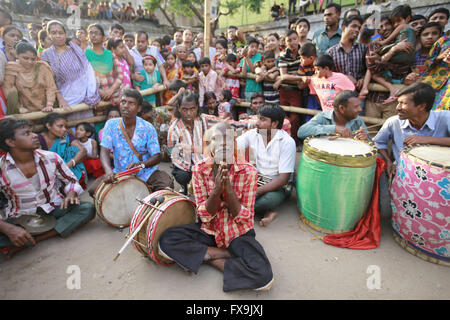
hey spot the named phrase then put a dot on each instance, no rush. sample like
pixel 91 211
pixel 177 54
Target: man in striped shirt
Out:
pixel 185 138
pixel 225 193
pixel 29 182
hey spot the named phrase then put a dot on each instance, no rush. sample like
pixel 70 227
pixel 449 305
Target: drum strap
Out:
pixel 127 138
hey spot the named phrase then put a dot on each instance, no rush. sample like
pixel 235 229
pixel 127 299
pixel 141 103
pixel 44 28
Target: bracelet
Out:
pixel 74 163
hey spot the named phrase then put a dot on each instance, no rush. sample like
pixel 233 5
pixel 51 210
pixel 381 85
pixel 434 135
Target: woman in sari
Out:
pixel 56 138
pixel 171 74
pixel 437 70
pixel 28 84
pixel 74 76
pixel 108 73
pixel 11 35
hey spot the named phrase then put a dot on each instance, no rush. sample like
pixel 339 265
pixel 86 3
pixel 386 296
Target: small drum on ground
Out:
pixel 174 211
pixel 115 202
pixel 334 182
pixel 420 195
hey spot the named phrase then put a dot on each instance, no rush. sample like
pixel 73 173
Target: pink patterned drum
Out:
pixel 420 195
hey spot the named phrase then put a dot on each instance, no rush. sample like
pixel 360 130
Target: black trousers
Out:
pixel 248 268
pixel 182 177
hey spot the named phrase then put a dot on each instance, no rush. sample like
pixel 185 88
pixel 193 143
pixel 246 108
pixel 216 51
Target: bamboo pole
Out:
pixel 207 29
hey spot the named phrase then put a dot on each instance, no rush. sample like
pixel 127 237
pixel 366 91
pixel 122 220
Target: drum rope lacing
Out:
pixel 301 221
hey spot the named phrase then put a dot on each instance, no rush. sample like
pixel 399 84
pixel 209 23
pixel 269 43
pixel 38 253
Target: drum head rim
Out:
pixel 365 155
pixel 407 151
pixel 110 186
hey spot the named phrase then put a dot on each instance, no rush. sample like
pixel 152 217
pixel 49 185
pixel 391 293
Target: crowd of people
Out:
pixel 196 99
pixel 99 10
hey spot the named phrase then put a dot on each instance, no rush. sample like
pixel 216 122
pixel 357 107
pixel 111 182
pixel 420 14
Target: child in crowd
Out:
pixel 248 64
pixel 152 78
pixel 189 74
pixel 211 104
pixel 176 88
pixel 111 113
pixel 146 112
pixel 209 80
pixel 119 50
pixel 218 63
pixel 44 41
pixel 129 40
pixel 307 57
pixel 232 83
pixel 171 74
pixel 325 83
pixel 268 70
pixel 83 132
pixel 193 57
pixel 224 108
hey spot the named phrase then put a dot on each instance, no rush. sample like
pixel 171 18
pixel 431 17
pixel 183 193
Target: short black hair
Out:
pixel 186 96
pixel 140 33
pixel 341 99
pixel 133 93
pixel 403 11
pixel 209 95
pixel 231 57
pixel 417 17
pixel 7 130
pixel 421 93
pixel 204 60
pixel 177 85
pixel 334 5
pixel 324 61
pixel 187 64
pixel 128 35
pixel 51 118
pixel 308 50
pixel 290 31
pixel 145 107
pixel 440 10
pixel 223 43
pixel 113 43
pixel 117 26
pixel 269 55
pixel 430 25
pixel 232 27
pixel 252 40
pixel 347 13
pixel 350 19
pixel 303 20
pixel 257 95
pixel 87 127
pixel 227 95
pixel 98 26
pixel 274 113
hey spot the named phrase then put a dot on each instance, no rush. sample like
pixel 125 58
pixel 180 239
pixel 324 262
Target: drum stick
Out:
pixel 180 194
pixel 148 204
pixel 138 228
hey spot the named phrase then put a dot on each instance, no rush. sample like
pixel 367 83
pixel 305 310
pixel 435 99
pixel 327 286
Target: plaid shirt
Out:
pixel 19 191
pixel 351 63
pixel 223 225
pixel 179 137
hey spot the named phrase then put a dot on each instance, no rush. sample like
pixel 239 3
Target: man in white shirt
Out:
pixel 273 151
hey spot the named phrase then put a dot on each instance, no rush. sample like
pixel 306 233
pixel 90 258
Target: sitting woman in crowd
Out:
pixel 28 85
pixel 56 138
pixel 84 133
pixel 171 74
pixel 108 73
pixel 44 42
pixel 74 75
pixel 11 35
pixel 192 57
pixel 427 36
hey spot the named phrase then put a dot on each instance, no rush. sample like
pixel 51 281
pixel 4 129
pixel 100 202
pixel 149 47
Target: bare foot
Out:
pixel 214 253
pixel 12 251
pixel 268 218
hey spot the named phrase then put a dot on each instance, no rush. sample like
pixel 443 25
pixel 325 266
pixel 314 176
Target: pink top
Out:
pixel 212 82
pixel 327 89
pixel 126 72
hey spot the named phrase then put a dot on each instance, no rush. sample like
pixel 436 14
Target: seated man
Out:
pixel 185 138
pixel 415 123
pixel 274 152
pixel 224 237
pixel 29 182
pixel 343 119
pixel 133 141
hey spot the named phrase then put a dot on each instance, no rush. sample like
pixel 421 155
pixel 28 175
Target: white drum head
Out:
pixel 435 154
pixel 341 146
pixel 120 202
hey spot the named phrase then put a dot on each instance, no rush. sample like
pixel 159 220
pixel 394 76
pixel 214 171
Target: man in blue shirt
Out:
pixel 415 123
pixel 331 35
pixel 343 120
pixel 140 146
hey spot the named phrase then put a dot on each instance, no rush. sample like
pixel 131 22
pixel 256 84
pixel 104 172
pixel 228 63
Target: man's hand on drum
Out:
pixel 71 198
pixel 109 177
pixel 343 132
pixel 361 134
pixel 415 139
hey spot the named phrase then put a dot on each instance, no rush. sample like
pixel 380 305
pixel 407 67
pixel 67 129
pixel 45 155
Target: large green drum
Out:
pixel 334 182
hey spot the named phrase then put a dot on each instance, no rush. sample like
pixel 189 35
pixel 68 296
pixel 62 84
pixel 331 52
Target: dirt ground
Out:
pixel 304 268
